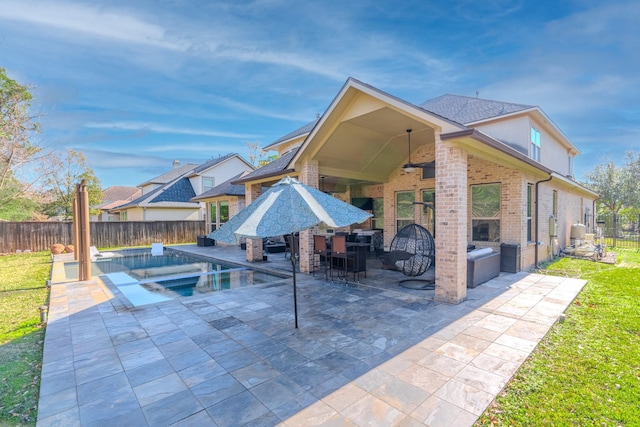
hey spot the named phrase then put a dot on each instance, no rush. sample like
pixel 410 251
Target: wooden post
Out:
pixel 76 223
pixel 85 238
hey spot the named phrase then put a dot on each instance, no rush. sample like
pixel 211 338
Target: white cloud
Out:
pixel 156 128
pixel 93 21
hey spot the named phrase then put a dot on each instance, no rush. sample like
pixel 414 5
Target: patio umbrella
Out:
pixel 286 208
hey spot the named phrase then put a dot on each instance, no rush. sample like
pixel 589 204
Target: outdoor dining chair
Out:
pixel 341 259
pixel 323 255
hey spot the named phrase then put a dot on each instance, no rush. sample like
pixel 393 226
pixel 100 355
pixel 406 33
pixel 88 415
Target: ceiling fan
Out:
pixel 410 166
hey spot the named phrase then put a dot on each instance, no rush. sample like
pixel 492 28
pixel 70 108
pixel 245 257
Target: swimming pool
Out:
pixel 145 279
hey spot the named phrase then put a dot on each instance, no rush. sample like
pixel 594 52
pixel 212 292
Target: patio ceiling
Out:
pixel 371 146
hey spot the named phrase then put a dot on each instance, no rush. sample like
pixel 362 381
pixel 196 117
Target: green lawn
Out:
pixel 22 292
pixel 586 371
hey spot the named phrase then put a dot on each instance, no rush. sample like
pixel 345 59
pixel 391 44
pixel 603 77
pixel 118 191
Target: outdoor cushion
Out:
pixel 477 253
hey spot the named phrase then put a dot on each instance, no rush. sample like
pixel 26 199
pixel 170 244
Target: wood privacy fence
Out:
pixel 39 236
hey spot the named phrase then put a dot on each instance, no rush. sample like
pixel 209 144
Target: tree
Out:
pixel 618 187
pixel 19 150
pixel 71 168
pixel 21 205
pixel 257 157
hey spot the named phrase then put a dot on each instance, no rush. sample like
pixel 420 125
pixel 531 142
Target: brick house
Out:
pixel 496 173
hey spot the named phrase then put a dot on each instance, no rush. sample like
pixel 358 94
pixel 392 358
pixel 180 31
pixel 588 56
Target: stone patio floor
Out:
pixel 369 353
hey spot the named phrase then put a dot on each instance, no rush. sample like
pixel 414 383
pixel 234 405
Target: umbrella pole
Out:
pixel 293 266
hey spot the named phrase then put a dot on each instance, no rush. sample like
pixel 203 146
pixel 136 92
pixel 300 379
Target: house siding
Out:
pixel 516 132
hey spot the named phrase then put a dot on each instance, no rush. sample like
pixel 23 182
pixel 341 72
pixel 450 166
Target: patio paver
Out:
pixel 366 354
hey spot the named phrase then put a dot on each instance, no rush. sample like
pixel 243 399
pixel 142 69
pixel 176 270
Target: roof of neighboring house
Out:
pixel 294 134
pixel 211 163
pixel 176 194
pixel 227 188
pixel 118 195
pixel 465 109
pixel 275 167
pixel 174 173
pixel 175 189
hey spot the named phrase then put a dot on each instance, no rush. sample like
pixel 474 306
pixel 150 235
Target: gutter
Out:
pixel 538 218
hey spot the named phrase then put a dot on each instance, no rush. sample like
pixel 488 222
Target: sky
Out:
pixel 135 85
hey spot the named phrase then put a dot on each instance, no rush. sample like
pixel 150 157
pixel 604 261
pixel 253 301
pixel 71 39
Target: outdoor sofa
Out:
pixel 482 265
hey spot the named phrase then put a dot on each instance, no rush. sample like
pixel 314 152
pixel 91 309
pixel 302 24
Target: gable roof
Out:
pixel 213 162
pixel 176 194
pixel 171 175
pixel 465 109
pixel 227 188
pixel 175 189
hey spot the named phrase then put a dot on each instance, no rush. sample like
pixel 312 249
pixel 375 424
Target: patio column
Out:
pixel 254 246
pixel 451 222
pixel 309 175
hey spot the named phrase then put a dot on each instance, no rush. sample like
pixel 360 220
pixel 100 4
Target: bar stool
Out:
pixel 320 249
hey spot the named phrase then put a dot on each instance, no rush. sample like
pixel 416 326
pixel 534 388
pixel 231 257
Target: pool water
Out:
pixel 145 279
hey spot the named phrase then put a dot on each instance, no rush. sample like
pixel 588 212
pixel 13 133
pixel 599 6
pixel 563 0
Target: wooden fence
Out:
pixel 39 236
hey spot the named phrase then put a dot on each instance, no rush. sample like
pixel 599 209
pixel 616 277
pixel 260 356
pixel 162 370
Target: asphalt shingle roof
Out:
pixel 300 131
pixel 174 173
pixel 206 165
pixel 278 165
pixel 465 109
pixel 224 189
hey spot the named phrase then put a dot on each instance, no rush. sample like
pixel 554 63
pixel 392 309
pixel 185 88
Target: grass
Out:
pixel 586 371
pixel 22 292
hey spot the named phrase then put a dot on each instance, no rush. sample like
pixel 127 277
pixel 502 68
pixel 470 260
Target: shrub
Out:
pixel 57 249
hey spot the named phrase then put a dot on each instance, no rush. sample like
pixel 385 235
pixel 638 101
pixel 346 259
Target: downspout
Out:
pixel 538 218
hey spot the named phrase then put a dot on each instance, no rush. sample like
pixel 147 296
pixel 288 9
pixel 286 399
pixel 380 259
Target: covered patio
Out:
pixel 370 145
pixel 365 353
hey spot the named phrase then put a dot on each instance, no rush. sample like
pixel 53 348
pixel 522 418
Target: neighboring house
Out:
pixel 113 197
pixel 167 197
pixel 496 172
pixel 222 202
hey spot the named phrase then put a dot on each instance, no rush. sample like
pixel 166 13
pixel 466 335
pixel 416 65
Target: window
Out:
pixel 571 166
pixel 485 212
pixel 208 183
pixel 219 214
pixel 428 211
pixel 529 212
pixel 535 144
pixel 123 216
pixel 378 213
pixel 404 208
pixel 224 212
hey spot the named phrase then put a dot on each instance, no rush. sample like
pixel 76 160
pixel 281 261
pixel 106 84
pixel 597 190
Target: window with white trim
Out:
pixel 485 212
pixel 208 183
pixel 535 144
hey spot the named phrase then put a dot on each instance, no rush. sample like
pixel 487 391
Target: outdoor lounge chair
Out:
pixel 412 252
pixel 94 253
